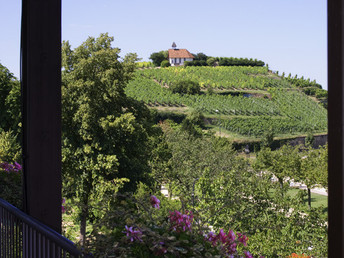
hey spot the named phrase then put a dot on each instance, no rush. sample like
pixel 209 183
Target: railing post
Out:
pixel 41 97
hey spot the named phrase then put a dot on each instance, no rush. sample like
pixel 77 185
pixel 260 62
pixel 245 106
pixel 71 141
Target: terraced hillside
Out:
pixel 246 101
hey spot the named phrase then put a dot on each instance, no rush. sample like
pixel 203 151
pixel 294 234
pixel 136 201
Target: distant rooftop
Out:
pixel 179 53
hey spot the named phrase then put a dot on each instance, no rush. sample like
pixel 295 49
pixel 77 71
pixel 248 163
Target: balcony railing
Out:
pixel 23 236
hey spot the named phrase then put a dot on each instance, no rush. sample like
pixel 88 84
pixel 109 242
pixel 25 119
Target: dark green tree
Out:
pixel 106 135
pixel 200 57
pixel 10 115
pixel 158 57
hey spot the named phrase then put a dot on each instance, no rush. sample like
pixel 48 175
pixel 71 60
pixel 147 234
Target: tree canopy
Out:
pixel 158 57
pixel 101 124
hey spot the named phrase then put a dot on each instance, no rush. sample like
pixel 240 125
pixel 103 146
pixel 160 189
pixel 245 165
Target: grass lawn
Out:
pixel 317 200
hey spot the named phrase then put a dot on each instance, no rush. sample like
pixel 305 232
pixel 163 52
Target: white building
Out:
pixel 178 56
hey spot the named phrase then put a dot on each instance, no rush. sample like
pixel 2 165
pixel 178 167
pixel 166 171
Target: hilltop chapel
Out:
pixel 178 56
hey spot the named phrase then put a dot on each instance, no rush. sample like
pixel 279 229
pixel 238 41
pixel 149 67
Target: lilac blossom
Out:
pixel 248 254
pixel 155 202
pixel 16 167
pixel 228 242
pixel 133 234
pixel 181 222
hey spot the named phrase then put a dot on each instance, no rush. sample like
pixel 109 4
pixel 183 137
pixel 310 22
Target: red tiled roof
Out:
pixel 179 53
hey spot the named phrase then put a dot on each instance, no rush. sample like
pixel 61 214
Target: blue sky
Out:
pixel 289 35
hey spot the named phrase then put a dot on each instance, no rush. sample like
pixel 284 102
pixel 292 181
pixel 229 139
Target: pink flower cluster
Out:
pixel 155 202
pixel 16 167
pixel 133 234
pixel 228 241
pixel 181 222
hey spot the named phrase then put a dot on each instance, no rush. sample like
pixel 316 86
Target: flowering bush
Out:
pixel 181 222
pixel 16 167
pixel 133 234
pixel 11 183
pixel 177 237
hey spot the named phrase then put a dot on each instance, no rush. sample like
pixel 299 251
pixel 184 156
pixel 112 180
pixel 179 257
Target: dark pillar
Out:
pixel 335 127
pixel 41 96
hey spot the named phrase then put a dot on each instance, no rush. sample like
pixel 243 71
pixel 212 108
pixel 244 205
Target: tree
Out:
pixel 100 126
pixel 10 115
pixel 313 169
pixel 158 57
pixel 282 163
pixel 211 61
pixel 200 57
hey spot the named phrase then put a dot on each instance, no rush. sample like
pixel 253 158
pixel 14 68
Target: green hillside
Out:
pixel 245 101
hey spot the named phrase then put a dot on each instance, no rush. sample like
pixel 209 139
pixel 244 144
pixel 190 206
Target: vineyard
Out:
pixel 282 106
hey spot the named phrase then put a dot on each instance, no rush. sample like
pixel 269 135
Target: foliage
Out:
pixel 196 63
pixel 11 183
pixel 321 93
pixel 10 114
pixel 100 126
pixel 137 229
pixel 211 61
pixel 10 150
pixel 225 61
pixel 200 57
pixel 309 140
pixel 144 64
pixel 185 87
pixel 223 191
pixel 165 63
pixel 301 82
pixel 158 57
pixel 283 163
pixel 268 138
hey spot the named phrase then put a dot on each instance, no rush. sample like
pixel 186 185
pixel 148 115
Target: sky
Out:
pixel 289 35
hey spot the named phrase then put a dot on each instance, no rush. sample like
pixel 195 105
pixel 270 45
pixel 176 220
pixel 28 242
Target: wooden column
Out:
pixel 335 127
pixel 41 98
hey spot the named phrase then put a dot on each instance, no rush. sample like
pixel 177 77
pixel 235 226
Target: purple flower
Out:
pixel 10 167
pixel 181 222
pixel 155 202
pixel 5 166
pixel 211 237
pixel 242 238
pixel 248 254
pixel 222 236
pixel 133 234
pixel 17 166
pixel 227 242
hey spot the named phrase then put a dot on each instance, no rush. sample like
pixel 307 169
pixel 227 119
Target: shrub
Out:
pixel 9 147
pixel 186 87
pixel 310 91
pixel 320 93
pixel 165 63
pixel 211 61
pixel 11 183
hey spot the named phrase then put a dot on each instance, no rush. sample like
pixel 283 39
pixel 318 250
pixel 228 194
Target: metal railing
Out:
pixel 23 236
